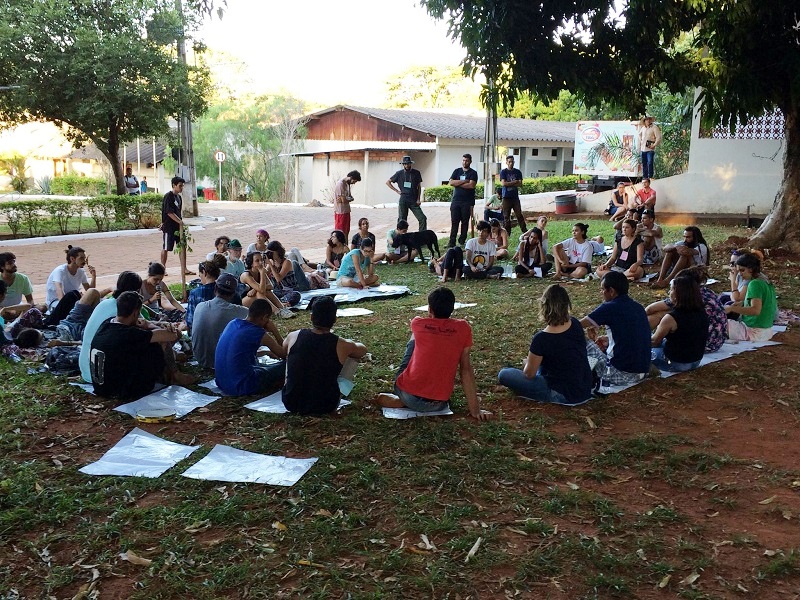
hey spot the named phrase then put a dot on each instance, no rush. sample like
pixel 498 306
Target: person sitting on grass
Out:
pixel 363 233
pixel 680 338
pixel 439 346
pixel 256 278
pixel 573 256
pixel 531 254
pixel 357 269
pixel 627 255
pixel 18 287
pixel 557 368
pixel 401 254
pixel 221 247
pixel 237 370
pixel 693 250
pixel 499 236
pixel 493 207
pixel 627 358
pixel 652 236
pixel 211 318
pixel 154 291
pixel 759 307
pixel 481 255
pixel 317 392
pixel 717 321
pixel 260 245
pixel 285 274
pixel 449 265
pixel 127 353
pixel 209 271
pixel 335 250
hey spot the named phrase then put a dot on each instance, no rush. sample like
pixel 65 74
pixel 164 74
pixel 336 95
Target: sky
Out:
pixel 327 52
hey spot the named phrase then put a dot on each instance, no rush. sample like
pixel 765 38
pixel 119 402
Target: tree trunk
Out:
pixel 781 228
pixel 110 150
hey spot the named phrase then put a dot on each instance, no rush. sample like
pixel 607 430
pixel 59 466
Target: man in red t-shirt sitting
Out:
pixel 645 198
pixel 438 346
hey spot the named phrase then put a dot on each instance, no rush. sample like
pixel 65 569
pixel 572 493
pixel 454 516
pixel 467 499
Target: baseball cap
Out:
pixel 226 284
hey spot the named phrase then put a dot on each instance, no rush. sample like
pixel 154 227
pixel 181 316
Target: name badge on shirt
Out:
pixel 623 255
pixel 407 185
pixel 463 177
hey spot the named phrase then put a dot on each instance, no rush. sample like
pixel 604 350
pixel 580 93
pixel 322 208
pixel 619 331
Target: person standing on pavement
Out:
pixel 409 182
pixel 341 202
pixel 511 180
pixel 172 221
pixel 463 181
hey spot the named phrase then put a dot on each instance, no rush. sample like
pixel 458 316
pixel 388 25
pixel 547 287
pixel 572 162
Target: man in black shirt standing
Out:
pixel 410 183
pixel 511 180
pixel 172 221
pixel 463 181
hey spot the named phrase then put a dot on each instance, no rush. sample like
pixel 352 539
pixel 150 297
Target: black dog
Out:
pixel 417 240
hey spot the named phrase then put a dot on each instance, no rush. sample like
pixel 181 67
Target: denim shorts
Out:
pixel 418 404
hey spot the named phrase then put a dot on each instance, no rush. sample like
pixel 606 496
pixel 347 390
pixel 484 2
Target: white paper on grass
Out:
pixel 456 306
pixel 224 463
pixel 211 386
pixel 353 312
pixel 404 413
pixel 174 397
pixel 727 351
pixel 139 454
pixel 274 404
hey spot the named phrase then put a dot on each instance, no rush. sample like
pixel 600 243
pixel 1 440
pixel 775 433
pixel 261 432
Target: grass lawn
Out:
pixel 686 487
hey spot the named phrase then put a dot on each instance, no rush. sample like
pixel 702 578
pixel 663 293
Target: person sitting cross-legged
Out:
pixel 127 354
pixel 314 360
pixel 238 372
pixel 481 254
pixel 439 346
pixel 680 337
pixel 557 368
pixel 759 307
pixel 693 250
pixel 573 256
pixel 211 317
pixel 358 270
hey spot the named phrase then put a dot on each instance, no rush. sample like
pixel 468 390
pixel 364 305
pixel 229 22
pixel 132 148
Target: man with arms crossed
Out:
pixel 410 183
pixel 463 181
pixel 511 180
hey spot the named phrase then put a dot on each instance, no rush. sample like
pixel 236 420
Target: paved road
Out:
pixel 304 227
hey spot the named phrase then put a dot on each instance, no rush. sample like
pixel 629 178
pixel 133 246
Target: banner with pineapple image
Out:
pixel 607 148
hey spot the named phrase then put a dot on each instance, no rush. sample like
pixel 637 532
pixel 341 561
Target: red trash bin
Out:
pixel 210 194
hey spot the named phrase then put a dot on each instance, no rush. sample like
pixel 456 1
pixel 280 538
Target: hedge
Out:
pixel 444 193
pixel 32 217
pixel 75 185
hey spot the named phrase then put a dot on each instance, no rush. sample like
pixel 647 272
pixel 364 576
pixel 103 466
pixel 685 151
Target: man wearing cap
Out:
pixel 211 318
pixel 511 180
pixel 409 182
pixel 172 221
pixel 235 264
pixel 341 202
pixel 463 181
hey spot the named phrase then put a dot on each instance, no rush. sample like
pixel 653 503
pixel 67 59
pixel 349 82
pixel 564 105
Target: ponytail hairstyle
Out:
pixel 72 253
pixel 155 268
pixel 212 268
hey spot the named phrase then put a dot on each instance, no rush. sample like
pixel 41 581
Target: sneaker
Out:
pixel 654 372
pixel 286 313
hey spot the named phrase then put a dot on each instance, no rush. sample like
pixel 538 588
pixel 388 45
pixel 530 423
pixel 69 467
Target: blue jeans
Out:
pixel 411 401
pixel 648 158
pixel 301 281
pixel 270 377
pixel 664 364
pixel 489 214
pixel 534 389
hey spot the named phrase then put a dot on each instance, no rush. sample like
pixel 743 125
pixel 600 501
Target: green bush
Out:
pixel 76 185
pixel 444 193
pixel 61 211
pixel 13 216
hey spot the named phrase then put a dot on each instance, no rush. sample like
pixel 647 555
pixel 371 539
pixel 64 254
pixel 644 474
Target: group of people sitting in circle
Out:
pixel 127 340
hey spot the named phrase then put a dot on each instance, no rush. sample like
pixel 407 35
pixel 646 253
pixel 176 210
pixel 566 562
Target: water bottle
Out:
pixel 605 380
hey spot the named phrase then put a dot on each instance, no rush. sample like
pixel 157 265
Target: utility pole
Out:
pixel 186 161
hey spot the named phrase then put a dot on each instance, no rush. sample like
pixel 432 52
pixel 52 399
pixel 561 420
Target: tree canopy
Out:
pixel 745 55
pixel 93 67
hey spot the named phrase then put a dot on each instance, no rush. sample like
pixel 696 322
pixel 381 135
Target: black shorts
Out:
pixel 168 239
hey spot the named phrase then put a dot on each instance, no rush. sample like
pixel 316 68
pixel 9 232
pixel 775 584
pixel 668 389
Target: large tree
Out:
pixel 744 54
pixel 107 69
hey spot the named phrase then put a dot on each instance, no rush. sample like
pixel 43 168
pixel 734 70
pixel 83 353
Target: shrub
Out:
pixel 443 193
pixel 44 185
pixel 76 185
pixel 13 216
pixel 61 211
pixel 101 209
pixel 32 216
pixel 144 210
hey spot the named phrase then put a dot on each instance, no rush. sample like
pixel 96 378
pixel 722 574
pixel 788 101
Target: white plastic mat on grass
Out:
pixel 174 397
pixel 89 387
pixel 274 404
pixel 224 463
pixel 346 294
pixel 456 306
pixel 727 351
pixel 139 454
pixel 353 312
pixel 404 413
